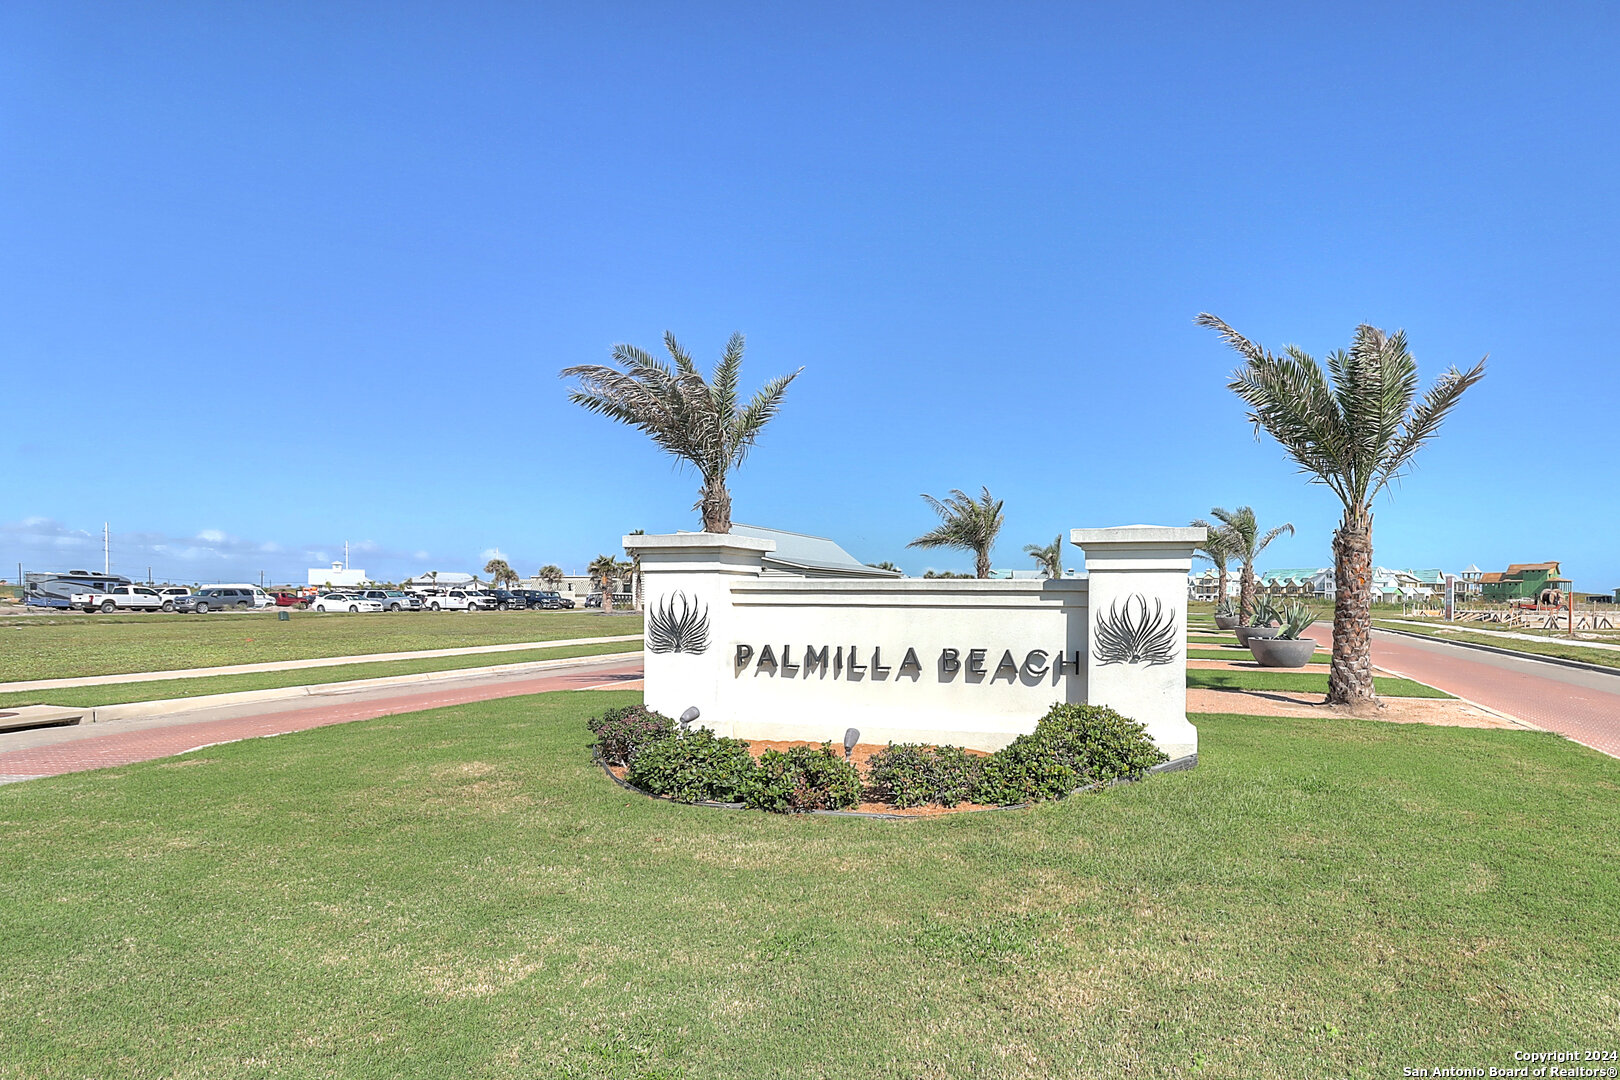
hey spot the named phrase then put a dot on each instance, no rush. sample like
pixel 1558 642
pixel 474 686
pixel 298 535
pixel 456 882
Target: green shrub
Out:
pixel 693 766
pixel 1072 745
pixel 911 774
pixel 624 732
pixel 802 778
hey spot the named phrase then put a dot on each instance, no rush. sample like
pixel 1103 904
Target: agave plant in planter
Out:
pixel 1260 622
pixel 1287 649
pixel 1226 616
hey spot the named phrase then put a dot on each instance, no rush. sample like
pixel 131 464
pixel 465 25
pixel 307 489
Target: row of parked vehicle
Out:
pixel 428 600
pixel 242 597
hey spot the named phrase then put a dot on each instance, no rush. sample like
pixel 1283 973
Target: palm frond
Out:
pixel 687 417
pixel 1272 534
pixel 1354 427
pixel 726 374
pixel 1425 420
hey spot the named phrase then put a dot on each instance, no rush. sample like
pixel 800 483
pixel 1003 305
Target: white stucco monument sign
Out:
pixel 764 654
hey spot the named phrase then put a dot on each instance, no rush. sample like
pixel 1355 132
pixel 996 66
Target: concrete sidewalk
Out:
pixel 1483 630
pixel 27 755
pixel 294 665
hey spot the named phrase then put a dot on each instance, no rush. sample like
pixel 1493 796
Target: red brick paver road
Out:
pixel 1584 705
pixel 64 750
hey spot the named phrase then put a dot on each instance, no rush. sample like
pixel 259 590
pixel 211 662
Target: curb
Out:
pixel 171 706
pixel 1515 653
pixel 1180 764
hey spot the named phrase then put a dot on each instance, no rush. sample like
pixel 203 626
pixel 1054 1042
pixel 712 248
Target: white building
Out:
pixel 338 576
pixel 444 579
pixel 1205 587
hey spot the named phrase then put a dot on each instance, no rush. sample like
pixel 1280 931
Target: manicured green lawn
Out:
pixel 64 646
pixel 114 693
pixel 460 893
pixel 1560 649
pixel 1304 682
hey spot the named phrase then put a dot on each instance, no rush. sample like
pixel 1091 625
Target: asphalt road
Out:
pixel 1584 705
pixel 29 754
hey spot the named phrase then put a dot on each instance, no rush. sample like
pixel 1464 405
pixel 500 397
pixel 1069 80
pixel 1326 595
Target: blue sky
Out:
pixel 326 260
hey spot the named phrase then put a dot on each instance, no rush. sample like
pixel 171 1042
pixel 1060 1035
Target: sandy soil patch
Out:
pixel 1442 712
pixel 1248 663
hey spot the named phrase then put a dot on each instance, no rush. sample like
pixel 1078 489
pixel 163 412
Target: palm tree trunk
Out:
pixel 1350 680
pixel 1221 579
pixel 716 506
pixel 981 562
pixel 1245 593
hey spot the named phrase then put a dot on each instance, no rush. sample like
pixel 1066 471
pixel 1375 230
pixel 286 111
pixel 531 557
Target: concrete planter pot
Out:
pixel 1246 633
pixel 1226 622
pixel 1281 652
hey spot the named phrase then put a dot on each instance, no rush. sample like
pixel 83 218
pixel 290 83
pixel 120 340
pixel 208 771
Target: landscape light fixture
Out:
pixel 688 716
pixel 851 737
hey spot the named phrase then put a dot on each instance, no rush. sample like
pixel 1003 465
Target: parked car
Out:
pixel 393 599
pixel 548 599
pixel 118 598
pixel 171 593
pixel 257 597
pixel 287 599
pixel 452 600
pixel 345 601
pixel 215 598
pixel 594 600
pixel 510 601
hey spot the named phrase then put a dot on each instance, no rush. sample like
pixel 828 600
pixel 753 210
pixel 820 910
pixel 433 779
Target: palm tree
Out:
pixel 965 523
pixel 1217 549
pixel 1246 542
pixel 551 574
pixel 698 422
pixel 1048 559
pixel 884 565
pixel 605 571
pixel 500 572
pixel 1353 428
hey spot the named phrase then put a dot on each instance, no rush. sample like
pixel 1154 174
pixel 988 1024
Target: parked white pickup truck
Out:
pixel 118 598
pixel 453 600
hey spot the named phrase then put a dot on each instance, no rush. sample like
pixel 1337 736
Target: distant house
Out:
pixel 1297 582
pixel 1522 581
pixel 1205 587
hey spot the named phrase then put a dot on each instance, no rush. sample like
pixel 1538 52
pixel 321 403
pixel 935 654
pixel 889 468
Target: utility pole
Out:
pixel 345 554
pixel 106 549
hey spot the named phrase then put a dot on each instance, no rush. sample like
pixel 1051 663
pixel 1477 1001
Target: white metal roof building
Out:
pixel 810 556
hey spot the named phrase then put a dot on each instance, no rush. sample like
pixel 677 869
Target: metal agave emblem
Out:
pixel 669 631
pixel 1127 638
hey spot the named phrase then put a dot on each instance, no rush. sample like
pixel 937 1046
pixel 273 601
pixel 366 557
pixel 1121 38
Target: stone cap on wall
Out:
pixel 695 542
pixel 1139 534
pixel 1139 547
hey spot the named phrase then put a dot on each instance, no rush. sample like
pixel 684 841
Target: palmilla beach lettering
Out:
pixel 853 663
